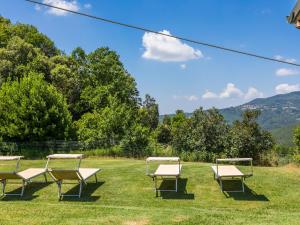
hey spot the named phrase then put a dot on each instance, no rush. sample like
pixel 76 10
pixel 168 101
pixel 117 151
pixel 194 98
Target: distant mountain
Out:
pixel 276 111
pixel 279 114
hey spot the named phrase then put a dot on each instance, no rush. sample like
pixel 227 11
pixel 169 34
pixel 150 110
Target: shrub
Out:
pixel 33 110
pixel 135 142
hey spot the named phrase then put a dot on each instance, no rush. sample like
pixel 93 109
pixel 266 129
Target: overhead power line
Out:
pixel 165 34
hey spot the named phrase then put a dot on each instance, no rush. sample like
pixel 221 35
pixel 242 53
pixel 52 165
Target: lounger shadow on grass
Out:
pixel 180 194
pixel 248 195
pixel 30 189
pixel 87 192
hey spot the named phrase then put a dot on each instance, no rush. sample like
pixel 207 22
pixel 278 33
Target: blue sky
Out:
pixel 182 75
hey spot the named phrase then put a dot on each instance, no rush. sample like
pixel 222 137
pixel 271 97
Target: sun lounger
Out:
pixel 165 171
pixel 26 175
pixel 231 172
pixel 79 174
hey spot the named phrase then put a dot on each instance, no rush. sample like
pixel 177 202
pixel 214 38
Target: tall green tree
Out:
pixel 248 139
pixel 33 110
pixel 205 131
pixel 150 113
pixel 106 126
pixel 19 58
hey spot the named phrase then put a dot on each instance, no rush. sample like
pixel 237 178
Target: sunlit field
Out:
pixel 125 195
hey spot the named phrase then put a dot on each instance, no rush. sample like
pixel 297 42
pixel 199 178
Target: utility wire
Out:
pixel 168 35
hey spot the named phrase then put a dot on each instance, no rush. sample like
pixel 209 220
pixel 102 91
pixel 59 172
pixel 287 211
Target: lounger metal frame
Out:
pixel 59 182
pixel 233 177
pixel 15 176
pixel 155 177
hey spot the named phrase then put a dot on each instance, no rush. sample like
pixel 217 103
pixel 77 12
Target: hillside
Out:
pixel 279 114
pixel 276 111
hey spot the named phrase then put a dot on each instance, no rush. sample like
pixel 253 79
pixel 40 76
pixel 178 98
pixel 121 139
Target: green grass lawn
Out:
pixel 125 195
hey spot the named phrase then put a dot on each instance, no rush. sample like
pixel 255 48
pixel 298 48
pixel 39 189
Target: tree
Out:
pixel 150 114
pixel 136 140
pixel 205 131
pixel 106 126
pixel 29 34
pixel 66 78
pixel 19 58
pixel 32 110
pixel 163 134
pixel 248 139
pixel 297 137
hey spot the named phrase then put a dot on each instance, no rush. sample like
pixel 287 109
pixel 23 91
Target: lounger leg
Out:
pixel 45 176
pixel 59 183
pixel 23 187
pixel 243 184
pixel 96 178
pixel 80 189
pixel 221 183
pixel 176 184
pixel 3 187
pixel 155 185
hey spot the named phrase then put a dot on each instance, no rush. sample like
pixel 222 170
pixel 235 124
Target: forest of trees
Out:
pixel 46 94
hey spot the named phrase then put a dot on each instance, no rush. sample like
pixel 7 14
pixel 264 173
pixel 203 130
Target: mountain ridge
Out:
pixel 280 114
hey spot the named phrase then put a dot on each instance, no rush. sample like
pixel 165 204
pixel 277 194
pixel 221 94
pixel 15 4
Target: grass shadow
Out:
pixel 248 195
pixel 181 192
pixel 86 195
pixel 30 189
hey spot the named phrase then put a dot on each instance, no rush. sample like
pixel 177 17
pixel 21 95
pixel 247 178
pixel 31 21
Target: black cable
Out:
pixel 168 35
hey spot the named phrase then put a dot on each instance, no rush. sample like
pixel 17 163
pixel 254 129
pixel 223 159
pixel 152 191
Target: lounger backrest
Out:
pixel 65 174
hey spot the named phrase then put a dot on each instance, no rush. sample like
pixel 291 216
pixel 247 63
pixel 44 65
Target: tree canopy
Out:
pixel 46 94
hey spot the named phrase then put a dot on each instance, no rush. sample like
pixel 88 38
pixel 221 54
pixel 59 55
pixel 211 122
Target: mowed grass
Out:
pixel 125 195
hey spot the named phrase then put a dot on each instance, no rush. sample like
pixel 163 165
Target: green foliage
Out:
pixel 32 110
pixel 150 114
pixel 28 33
pixel 204 131
pixel 163 134
pixel 297 137
pixel 43 90
pixel 106 126
pixel 296 159
pixel 19 58
pixel 247 137
pixel 135 142
pixel 106 77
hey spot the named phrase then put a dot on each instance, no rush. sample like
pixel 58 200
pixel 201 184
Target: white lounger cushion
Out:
pixel 168 170
pixel 88 172
pixel 227 171
pixel 31 173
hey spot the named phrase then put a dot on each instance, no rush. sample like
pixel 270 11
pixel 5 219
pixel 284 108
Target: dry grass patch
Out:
pixel 137 222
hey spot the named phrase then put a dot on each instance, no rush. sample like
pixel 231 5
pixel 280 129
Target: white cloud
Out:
pixel 209 95
pixel 183 66
pixel 231 91
pixel 189 98
pixel 168 49
pixel 87 6
pixel 289 60
pixel 286 88
pixel 253 93
pixel 283 72
pixel 70 5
